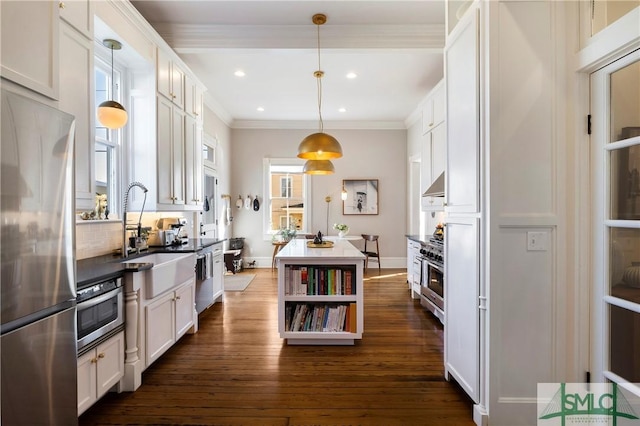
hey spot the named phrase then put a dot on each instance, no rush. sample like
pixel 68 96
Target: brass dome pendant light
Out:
pixel 319 147
pixel 318 167
pixel 111 114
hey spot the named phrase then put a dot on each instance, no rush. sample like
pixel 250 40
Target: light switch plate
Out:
pixel 537 241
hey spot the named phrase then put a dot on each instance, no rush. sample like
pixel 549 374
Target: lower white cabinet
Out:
pixel 168 318
pixel 217 275
pixel 414 267
pixel 462 304
pixel 99 370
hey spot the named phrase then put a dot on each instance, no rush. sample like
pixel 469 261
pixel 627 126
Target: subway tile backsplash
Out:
pixel 96 238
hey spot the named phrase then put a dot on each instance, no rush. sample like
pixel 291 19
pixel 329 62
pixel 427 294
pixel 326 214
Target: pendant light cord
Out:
pixel 318 74
pixel 113 84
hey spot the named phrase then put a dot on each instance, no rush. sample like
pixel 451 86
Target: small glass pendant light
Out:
pixel 111 114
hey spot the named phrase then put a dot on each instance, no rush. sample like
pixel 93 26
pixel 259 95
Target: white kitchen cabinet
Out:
pixel 193 163
pixel 217 276
pixel 99 370
pixel 78 14
pixel 193 98
pixel 437 157
pixel 463 117
pixel 461 299
pixel 168 318
pixel 76 97
pixel 433 111
pixel 170 78
pixel 414 267
pixel 39 36
pixel 304 291
pixel 170 155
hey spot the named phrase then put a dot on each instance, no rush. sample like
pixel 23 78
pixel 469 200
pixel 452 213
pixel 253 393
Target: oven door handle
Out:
pixel 434 266
pixel 97 300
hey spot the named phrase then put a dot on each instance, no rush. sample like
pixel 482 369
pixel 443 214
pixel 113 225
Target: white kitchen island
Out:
pixel 320 293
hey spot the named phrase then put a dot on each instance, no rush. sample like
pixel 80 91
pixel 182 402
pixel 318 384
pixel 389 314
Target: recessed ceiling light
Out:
pixel 343 109
pixel 260 109
pixel 239 73
pixel 352 75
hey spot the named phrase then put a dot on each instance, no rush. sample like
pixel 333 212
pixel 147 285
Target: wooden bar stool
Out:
pixel 277 245
pixel 369 253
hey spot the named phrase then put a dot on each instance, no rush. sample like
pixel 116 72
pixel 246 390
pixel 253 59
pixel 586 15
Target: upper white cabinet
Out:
pixel 434 145
pixel 76 97
pixel 463 117
pixel 78 14
pixel 193 98
pixel 193 162
pixel 171 147
pixel 179 154
pixel 171 79
pixel 30 46
pixel 435 155
pixel 433 112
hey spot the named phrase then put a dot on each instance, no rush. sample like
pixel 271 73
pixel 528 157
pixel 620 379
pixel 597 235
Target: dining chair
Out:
pixel 369 252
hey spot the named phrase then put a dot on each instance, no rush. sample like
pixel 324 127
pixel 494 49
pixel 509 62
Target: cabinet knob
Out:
pixel 177 297
pixel 61 5
pixel 101 355
pixel 94 360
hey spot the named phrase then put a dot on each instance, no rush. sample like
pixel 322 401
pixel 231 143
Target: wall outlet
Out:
pixel 537 241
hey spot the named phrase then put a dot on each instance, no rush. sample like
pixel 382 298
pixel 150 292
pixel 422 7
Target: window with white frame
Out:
pixel 107 141
pixel 286 195
pixel 286 183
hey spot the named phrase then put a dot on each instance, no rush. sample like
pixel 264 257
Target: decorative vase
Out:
pixel 342 234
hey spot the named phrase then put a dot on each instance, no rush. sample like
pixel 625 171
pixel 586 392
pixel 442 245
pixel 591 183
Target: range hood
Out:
pixel 437 187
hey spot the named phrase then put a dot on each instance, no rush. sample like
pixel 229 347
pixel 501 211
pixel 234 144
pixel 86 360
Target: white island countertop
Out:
pixel 341 250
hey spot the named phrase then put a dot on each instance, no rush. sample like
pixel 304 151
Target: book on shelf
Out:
pixel 313 280
pixel 322 317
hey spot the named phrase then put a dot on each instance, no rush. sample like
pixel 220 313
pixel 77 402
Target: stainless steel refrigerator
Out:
pixel 38 317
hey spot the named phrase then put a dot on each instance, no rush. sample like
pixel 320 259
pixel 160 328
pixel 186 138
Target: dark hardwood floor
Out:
pixel 237 371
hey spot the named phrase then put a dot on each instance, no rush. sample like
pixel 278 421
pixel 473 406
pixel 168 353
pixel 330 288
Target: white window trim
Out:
pixel 267 233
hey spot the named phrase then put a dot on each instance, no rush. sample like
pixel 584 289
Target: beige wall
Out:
pixel 368 154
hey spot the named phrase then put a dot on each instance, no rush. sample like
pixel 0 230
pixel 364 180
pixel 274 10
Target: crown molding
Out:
pixel 306 124
pixel 196 36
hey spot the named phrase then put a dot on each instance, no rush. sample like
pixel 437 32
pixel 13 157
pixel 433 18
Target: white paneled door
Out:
pixel 615 139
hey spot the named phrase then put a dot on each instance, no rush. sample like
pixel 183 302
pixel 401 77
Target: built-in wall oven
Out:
pixel 432 277
pixel 100 312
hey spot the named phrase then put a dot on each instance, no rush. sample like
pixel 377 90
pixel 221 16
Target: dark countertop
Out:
pixel 192 245
pixel 108 266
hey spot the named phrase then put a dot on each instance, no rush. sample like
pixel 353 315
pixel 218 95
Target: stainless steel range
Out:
pixel 432 280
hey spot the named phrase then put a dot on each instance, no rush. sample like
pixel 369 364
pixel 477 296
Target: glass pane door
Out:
pixel 615 105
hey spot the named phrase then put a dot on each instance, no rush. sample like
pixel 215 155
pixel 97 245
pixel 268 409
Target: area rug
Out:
pixel 237 282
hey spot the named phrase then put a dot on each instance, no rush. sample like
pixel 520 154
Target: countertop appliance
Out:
pixel 37 286
pixel 432 277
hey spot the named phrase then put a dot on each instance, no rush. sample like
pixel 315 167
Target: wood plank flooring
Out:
pixel 237 371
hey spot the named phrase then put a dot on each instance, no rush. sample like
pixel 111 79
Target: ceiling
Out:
pixel 395 48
